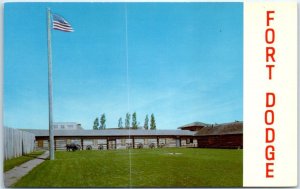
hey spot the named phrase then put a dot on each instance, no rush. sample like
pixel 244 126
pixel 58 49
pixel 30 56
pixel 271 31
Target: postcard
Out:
pixel 150 94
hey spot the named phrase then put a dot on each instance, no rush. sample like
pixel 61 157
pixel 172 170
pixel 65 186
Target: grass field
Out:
pixel 11 163
pixel 166 167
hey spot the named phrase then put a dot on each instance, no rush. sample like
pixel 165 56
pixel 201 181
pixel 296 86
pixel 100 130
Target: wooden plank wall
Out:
pixel 17 143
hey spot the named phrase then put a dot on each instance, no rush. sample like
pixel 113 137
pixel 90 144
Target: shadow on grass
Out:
pixel 36 156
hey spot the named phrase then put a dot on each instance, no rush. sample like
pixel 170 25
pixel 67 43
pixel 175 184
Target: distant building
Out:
pixel 195 126
pixel 67 126
pixel 124 128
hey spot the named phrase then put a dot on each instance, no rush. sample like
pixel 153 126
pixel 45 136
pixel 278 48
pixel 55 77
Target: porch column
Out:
pixel 107 143
pixel 133 142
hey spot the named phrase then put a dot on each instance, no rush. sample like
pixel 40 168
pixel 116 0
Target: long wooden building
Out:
pixel 197 134
pixel 116 138
pixel 227 135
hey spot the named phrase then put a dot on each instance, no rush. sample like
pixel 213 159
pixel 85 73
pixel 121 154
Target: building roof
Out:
pixel 65 123
pixel 222 129
pixel 197 123
pixel 112 132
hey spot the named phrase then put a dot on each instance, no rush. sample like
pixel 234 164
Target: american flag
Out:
pixel 59 23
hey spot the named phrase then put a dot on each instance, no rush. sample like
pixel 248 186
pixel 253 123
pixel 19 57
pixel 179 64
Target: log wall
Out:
pixel 221 141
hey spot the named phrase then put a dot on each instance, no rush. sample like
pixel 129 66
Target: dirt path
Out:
pixel 13 175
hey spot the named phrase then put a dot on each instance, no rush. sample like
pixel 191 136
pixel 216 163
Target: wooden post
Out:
pixel 81 143
pixel 157 141
pixel 133 143
pixel 180 142
pixel 54 144
pixel 107 147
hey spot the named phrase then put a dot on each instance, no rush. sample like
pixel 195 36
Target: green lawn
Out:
pixel 11 163
pixel 149 168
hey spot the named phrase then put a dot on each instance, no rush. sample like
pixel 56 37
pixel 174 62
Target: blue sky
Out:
pixel 185 63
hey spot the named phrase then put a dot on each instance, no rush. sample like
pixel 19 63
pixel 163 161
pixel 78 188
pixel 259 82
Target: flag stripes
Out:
pixel 59 23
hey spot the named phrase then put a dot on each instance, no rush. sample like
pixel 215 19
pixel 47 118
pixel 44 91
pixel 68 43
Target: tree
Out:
pixel 102 122
pixel 120 124
pixel 96 124
pixel 134 122
pixel 146 124
pixel 127 121
pixel 152 123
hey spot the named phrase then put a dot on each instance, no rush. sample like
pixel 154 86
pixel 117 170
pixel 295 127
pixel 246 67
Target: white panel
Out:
pixel 283 84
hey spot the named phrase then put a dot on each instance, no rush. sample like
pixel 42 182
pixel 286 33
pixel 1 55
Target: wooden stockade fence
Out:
pixel 17 143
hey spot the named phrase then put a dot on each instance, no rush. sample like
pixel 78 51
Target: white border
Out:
pixel 1 55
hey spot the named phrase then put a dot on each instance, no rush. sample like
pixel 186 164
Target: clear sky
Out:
pixel 185 63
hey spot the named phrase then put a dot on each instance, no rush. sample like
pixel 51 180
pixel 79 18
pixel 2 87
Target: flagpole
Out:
pixel 51 132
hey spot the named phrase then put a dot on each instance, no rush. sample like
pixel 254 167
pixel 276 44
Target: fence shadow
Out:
pixel 36 156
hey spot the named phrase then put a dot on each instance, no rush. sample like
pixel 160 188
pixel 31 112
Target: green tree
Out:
pixel 152 123
pixel 127 121
pixel 134 122
pixel 146 124
pixel 120 124
pixel 102 122
pixel 96 124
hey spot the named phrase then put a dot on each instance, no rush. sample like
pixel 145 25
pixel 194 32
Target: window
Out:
pixel 62 126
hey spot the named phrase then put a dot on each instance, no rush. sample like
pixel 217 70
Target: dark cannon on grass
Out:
pixel 100 147
pixel 89 147
pixel 152 145
pixel 73 147
pixel 140 145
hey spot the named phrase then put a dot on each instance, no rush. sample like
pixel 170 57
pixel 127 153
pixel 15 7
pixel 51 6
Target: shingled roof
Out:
pixel 194 124
pixel 222 129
